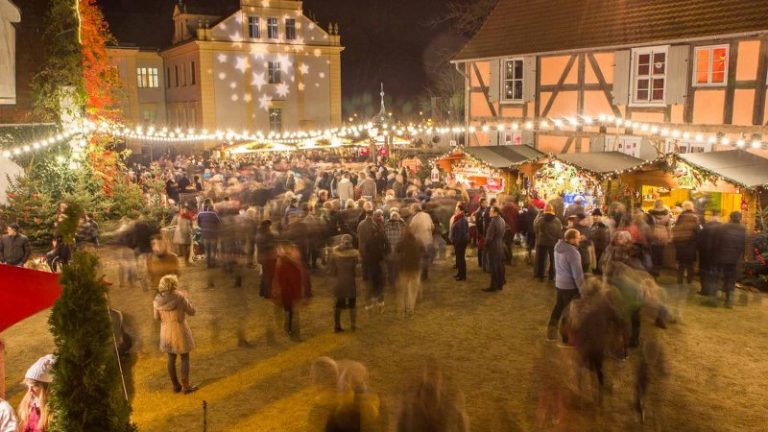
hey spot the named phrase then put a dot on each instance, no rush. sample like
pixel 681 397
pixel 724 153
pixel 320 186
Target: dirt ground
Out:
pixel 491 346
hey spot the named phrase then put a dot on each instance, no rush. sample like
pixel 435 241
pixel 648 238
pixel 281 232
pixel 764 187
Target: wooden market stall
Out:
pixel 499 169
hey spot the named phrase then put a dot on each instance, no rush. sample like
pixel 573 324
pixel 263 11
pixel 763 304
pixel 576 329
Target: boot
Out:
pixel 176 385
pixel 187 387
pixel 729 299
pixel 552 333
pixel 337 320
pixel 353 318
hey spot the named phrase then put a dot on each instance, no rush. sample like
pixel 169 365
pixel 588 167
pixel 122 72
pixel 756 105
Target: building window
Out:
pixel 274 73
pixel 272 28
pixel 513 80
pixel 149 116
pixel 176 70
pixel 147 77
pixel 711 65
pixel 649 75
pixel 290 29
pixel 192 69
pixel 275 119
pixel 168 77
pixel 254 28
pixel 184 75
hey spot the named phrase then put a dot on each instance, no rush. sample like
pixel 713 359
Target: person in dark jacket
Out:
pixel 527 218
pixel 479 216
pixel 209 223
pixel 549 230
pixel 494 248
pixel 730 239
pixel 14 247
pixel 373 246
pixel 684 235
pixel 569 277
pixel 343 266
pixel 511 214
pixel 661 234
pixel 708 252
pixel 266 244
pixel 459 236
pixel 600 236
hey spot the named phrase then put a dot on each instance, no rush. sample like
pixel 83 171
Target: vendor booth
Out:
pixel 498 169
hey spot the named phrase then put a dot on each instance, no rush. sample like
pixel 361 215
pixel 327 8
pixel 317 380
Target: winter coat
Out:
pixel 8 421
pixel 399 189
pixel 548 229
pixel 289 282
pixel 394 229
pixel 662 226
pixel 409 252
pixel 730 241
pixel 684 234
pixel 209 224
pixel 511 214
pixel 573 210
pixel 494 238
pixel 559 205
pixel 421 226
pixel 15 250
pixel 480 220
pixel 343 266
pixel 459 230
pixel 172 308
pixel 368 187
pixel 709 249
pixel 161 265
pixel 365 231
pixel 182 235
pixel 377 247
pixel 345 190
pixel 569 274
pixel 600 235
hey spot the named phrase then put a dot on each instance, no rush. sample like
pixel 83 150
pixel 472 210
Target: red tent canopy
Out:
pixel 25 292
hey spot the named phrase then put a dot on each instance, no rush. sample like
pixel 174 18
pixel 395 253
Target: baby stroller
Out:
pixel 198 249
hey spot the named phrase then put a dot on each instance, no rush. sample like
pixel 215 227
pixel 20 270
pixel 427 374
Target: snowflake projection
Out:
pixel 304 68
pixel 258 51
pixel 259 80
pixel 321 75
pixel 233 85
pixel 239 18
pixel 264 102
pixel 222 58
pixel 247 98
pixel 301 86
pixel 285 62
pixel 242 64
pixel 222 75
pixel 282 90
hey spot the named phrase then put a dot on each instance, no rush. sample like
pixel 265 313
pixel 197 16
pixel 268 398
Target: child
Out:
pixel 34 411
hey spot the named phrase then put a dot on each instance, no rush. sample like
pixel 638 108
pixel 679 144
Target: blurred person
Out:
pixel 651 368
pixel 324 377
pixel 358 408
pixel 494 249
pixel 661 234
pixel 161 262
pixel 709 271
pixel 479 219
pixel 409 251
pixel 87 232
pixel 558 207
pixel 684 234
pixel 171 308
pixel 289 286
pixel 345 191
pixel 548 231
pixel 266 244
pixel 576 208
pixel 528 216
pixel 35 410
pixel 600 235
pixel 375 250
pixel 15 248
pixel 422 228
pixel 394 229
pixel 730 239
pixel 511 214
pixel 432 404
pixel 210 224
pixel 367 187
pixel 182 234
pixel 343 267
pixel 290 182
pixel 569 277
pixel 459 235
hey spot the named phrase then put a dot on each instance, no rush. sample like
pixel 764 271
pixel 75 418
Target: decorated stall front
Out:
pixel 594 176
pixel 498 169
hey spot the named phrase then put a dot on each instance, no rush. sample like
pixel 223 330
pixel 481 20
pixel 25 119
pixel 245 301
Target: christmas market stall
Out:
pixel 595 176
pixel 498 169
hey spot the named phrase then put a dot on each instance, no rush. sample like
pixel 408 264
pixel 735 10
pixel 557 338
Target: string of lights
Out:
pixel 303 139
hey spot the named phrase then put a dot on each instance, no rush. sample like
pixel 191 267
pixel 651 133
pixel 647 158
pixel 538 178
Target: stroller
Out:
pixel 198 249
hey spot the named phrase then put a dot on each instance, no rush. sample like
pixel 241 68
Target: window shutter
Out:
pixel 494 83
pixel 677 74
pixel 529 78
pixel 621 69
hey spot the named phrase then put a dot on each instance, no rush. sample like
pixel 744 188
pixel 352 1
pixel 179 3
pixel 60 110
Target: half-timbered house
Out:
pixel 686 63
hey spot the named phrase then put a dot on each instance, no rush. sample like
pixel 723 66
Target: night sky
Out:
pixel 385 40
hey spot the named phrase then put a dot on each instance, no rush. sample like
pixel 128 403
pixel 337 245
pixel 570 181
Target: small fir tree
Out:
pixel 87 389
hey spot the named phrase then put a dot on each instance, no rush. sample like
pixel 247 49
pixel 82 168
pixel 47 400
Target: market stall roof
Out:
pixel 739 167
pixel 603 164
pixel 504 156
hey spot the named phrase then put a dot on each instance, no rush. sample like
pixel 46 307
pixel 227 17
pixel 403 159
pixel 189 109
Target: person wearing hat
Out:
pixel 14 247
pixel 730 239
pixel 34 410
pixel 600 235
pixel 549 230
pixel 343 267
pixel 171 308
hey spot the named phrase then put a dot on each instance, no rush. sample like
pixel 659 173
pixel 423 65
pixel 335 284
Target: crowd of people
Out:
pixel 292 217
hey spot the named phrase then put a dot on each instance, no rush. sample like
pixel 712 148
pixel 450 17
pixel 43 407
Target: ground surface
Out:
pixel 490 345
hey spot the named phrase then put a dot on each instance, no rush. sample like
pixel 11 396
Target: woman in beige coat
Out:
pixel 171 308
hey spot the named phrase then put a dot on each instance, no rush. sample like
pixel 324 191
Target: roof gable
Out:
pixel 518 27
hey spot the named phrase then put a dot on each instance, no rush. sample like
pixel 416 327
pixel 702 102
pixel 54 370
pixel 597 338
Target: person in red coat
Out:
pixel 511 213
pixel 289 287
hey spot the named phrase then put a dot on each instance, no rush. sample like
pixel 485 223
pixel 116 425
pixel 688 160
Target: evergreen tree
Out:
pixel 87 390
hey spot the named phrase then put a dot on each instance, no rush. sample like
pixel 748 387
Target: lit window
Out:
pixel 147 77
pixel 275 119
pixel 513 80
pixel 711 65
pixel 254 29
pixel 290 29
pixel 649 73
pixel 149 116
pixel 272 28
pixel 274 73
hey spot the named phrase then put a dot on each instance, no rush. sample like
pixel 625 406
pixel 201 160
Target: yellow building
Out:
pixel 240 65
